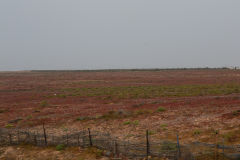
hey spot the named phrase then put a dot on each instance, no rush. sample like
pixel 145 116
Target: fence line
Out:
pixel 116 148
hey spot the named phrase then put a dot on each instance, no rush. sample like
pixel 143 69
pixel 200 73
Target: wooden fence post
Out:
pixel 115 149
pixel 216 145
pixel 223 150
pixel 10 139
pixel 35 138
pixel 38 136
pixel 147 143
pixel 78 140
pixel 178 146
pixel 125 148
pixel 18 137
pixel 67 139
pixel 53 140
pixel 90 137
pixel 28 135
pixel 45 135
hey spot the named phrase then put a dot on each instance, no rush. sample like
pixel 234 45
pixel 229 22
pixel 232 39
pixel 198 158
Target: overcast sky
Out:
pixel 98 34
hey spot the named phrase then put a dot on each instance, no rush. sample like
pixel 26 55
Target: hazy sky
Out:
pixel 97 34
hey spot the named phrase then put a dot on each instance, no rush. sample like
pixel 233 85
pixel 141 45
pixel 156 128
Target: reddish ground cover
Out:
pixel 193 103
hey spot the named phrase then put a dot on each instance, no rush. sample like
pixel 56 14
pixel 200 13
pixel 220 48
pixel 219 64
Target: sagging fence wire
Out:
pixel 117 148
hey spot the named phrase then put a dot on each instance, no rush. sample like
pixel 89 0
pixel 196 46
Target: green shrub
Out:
pixel 129 135
pixel 9 126
pixel 236 113
pixel 61 96
pixel 164 129
pixel 65 129
pixel 230 137
pixel 127 123
pixel 216 132
pixel 136 122
pixel 143 111
pixel 99 153
pixel 116 114
pixel 196 132
pixel 97 116
pixel 163 125
pixel 44 104
pixel 29 117
pixel 161 109
pixel 60 147
pixel 151 132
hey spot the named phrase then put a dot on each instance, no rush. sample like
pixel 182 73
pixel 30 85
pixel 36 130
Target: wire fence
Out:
pixel 117 148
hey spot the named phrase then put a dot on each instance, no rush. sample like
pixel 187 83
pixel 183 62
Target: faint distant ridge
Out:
pixel 135 69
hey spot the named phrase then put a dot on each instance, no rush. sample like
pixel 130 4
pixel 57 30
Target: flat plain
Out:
pixel 194 103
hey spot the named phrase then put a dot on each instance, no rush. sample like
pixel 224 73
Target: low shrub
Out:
pixel 163 125
pixel 83 118
pixel 143 111
pixel 116 114
pixel 151 132
pixel 231 136
pixel 136 122
pixel 9 126
pixel 29 117
pixel 161 109
pixel 236 113
pixel 61 95
pixel 97 152
pixel 127 123
pixel 60 147
pixel 196 132
pixel 44 103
